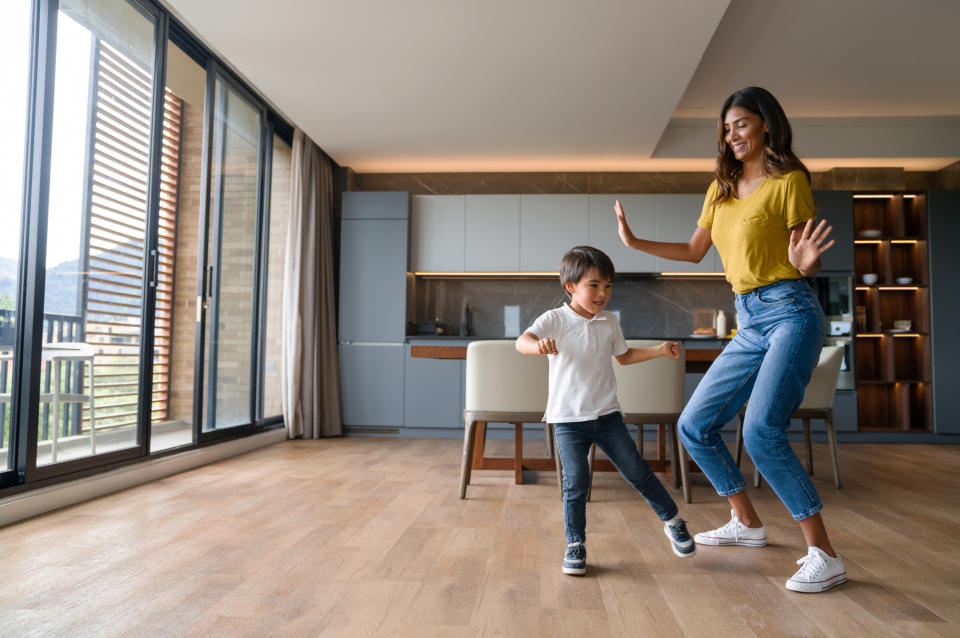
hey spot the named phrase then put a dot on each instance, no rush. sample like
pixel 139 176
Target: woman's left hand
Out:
pixel 807 245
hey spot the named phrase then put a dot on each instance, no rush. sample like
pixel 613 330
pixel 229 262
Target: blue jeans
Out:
pixel 611 436
pixel 769 361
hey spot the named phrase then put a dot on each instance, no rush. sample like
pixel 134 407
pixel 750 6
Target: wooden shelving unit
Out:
pixel 893 366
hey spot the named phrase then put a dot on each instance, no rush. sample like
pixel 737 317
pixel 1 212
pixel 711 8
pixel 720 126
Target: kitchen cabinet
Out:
pixel 492 233
pixel 371 384
pixel 372 307
pixel 837 208
pixel 434 389
pixel 676 220
pixel 373 267
pixel 437 233
pixel 550 225
pixel 641 212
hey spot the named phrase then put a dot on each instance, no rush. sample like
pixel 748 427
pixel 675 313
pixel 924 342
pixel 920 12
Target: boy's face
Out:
pixel 589 295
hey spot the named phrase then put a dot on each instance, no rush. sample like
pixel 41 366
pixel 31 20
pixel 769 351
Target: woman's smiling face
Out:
pixel 743 132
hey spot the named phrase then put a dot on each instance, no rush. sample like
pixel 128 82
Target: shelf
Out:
pixel 892 366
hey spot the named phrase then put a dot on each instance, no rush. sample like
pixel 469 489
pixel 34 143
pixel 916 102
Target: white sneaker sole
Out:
pixel 575 571
pixel 674 547
pixel 818 587
pixel 700 539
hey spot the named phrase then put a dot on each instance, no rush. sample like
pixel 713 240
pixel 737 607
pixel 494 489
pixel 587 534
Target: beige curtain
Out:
pixel 310 378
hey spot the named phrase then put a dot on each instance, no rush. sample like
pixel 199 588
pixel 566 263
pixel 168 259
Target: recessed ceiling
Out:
pixel 563 85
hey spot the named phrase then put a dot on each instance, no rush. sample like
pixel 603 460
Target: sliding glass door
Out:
pixel 231 274
pixel 14 73
pixel 99 263
pixel 134 240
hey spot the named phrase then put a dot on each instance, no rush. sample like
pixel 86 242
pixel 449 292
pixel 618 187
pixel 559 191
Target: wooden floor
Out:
pixel 366 537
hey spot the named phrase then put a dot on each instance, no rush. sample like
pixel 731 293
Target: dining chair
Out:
pixel 817 404
pixel 502 386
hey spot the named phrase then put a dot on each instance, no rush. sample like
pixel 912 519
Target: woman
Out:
pixel 759 213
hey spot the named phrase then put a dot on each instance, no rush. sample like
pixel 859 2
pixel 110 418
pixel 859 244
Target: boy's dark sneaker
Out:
pixel 680 541
pixel 575 560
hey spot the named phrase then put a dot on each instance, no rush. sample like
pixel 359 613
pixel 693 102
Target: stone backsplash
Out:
pixel 650 307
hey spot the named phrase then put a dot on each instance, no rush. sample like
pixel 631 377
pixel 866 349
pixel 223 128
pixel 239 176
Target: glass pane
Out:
pixel 279 218
pixel 15 45
pixel 236 147
pixel 180 205
pixel 96 230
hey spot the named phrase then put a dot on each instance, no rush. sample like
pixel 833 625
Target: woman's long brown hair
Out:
pixel 778 155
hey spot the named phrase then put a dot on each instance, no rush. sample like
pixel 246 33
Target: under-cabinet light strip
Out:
pixel 907 334
pixel 903 241
pixel 485 274
pixel 868 241
pixel 873 196
pixel 691 274
pixel 898 288
pixel 872 335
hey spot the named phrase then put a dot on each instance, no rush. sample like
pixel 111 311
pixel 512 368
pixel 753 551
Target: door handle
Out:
pixel 154 269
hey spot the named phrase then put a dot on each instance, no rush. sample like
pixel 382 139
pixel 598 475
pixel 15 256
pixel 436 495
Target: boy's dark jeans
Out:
pixel 611 436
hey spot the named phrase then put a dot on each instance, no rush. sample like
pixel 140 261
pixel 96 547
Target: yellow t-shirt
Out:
pixel 752 234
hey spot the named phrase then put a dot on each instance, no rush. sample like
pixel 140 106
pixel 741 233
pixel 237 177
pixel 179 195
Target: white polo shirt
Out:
pixel 582 384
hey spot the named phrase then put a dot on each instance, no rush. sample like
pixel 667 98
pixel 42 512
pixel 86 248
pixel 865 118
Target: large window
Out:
pixel 133 186
pixel 14 47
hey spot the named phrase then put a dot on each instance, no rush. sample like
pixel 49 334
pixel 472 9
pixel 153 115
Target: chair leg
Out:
pixel 832 440
pixel 556 458
pixel 809 445
pixel 590 457
pixel 467 459
pixel 518 453
pixel 739 439
pixel 674 455
pixel 548 439
pixel 684 479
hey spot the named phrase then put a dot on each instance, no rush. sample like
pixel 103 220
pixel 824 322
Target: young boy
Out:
pixel 580 338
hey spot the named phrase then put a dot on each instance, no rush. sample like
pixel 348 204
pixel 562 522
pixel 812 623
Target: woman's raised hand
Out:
pixel 807 245
pixel 623 229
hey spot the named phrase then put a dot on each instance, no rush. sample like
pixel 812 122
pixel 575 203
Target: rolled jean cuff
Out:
pixel 676 512
pixel 735 490
pixel 813 511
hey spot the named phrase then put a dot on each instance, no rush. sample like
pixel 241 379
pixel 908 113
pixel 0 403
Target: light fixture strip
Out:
pixel 873 196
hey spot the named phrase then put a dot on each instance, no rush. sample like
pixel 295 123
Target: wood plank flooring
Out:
pixel 366 537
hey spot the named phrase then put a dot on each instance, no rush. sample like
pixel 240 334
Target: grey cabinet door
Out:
pixel 436 233
pixel 492 233
pixel 375 205
pixel 373 279
pixel 677 217
pixel 641 213
pixel 433 393
pixel 943 210
pixel 837 208
pixel 550 225
pixel 371 384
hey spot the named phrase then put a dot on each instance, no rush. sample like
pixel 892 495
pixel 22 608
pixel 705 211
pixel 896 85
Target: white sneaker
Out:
pixel 734 533
pixel 818 572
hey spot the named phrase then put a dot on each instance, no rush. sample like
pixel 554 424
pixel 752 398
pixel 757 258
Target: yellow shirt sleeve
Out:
pixel 798 199
pixel 706 215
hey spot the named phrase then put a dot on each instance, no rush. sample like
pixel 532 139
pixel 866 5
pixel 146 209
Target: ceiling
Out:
pixel 615 85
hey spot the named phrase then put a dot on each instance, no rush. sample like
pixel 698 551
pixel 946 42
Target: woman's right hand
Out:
pixel 623 229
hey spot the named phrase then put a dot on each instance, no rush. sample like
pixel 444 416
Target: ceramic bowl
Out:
pixel 871 233
pixel 870 278
pixel 904 281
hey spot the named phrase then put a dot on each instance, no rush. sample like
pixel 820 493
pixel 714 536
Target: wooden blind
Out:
pixel 116 226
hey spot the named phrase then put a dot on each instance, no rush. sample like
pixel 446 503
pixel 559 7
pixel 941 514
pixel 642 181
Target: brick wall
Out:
pixel 185 267
pixel 279 217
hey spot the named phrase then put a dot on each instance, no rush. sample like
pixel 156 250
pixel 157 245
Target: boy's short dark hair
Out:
pixel 580 259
